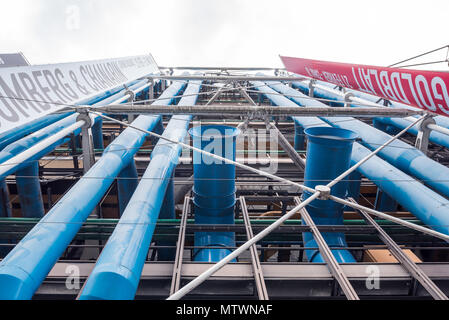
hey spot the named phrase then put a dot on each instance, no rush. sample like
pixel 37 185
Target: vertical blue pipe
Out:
pixel 126 185
pixel 5 209
pixel 97 134
pixel 328 155
pixel 299 137
pixel 27 265
pixel 29 190
pixel 214 188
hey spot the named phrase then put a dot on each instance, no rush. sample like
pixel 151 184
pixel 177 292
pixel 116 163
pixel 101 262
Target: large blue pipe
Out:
pixel 30 187
pixel 328 156
pixel 214 189
pixel 27 265
pixel 117 272
pixel 402 155
pixel 424 203
pixel 25 129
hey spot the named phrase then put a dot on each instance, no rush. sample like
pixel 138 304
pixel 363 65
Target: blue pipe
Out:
pixel 299 138
pixel 15 134
pixel 328 156
pixel 404 156
pixel 29 190
pixel 5 204
pixel 27 265
pixel 354 182
pixel 117 272
pixel 427 205
pixel 214 189
pixel 126 185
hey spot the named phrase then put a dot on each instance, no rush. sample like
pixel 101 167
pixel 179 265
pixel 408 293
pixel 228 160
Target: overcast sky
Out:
pixel 225 32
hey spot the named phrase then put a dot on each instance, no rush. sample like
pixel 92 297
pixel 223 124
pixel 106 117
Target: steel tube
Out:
pixel 27 265
pixel 117 271
pixel 238 110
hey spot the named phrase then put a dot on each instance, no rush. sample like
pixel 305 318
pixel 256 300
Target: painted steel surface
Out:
pixel 214 189
pixel 117 272
pixel 27 265
pixel 328 156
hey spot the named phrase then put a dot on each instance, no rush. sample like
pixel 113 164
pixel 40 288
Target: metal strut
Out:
pixel 176 278
pixel 326 252
pixel 257 268
pixel 404 259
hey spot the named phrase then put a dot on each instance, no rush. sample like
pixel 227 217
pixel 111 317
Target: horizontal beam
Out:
pixel 238 110
pixel 227 78
pixel 223 68
pixel 306 279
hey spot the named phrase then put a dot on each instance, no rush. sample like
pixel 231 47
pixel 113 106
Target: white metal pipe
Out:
pixel 29 153
pixel 379 214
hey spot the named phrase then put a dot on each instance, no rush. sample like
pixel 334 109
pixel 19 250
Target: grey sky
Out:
pixel 224 32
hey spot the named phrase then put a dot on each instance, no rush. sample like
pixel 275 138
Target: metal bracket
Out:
pixel 347 98
pixel 86 138
pixel 422 138
pixel 325 192
pixel 131 94
pixel 312 83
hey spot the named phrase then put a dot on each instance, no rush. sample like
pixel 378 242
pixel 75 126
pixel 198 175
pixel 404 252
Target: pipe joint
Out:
pixel 324 191
pixel 424 123
pixel 84 115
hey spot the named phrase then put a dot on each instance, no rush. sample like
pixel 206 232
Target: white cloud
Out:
pixel 225 32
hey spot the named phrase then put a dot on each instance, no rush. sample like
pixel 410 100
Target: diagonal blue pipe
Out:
pixel 402 155
pixel 32 206
pixel 117 272
pixel 399 123
pixel 27 265
pixel 427 205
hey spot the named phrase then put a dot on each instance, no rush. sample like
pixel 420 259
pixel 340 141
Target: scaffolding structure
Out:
pixel 398 256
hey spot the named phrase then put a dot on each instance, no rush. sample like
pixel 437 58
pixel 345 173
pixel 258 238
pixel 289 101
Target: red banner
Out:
pixel 426 90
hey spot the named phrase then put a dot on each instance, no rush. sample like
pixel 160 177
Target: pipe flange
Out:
pixel 85 116
pixel 325 192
